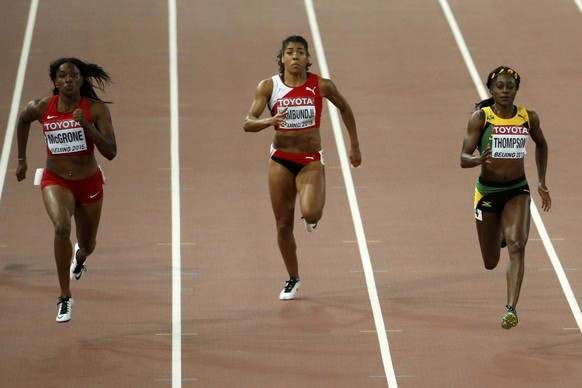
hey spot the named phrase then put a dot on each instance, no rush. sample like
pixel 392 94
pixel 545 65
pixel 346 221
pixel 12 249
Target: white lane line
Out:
pixel 353 201
pixel 463 48
pixel 579 4
pixel 176 231
pixel 534 210
pixel 17 95
pixel 560 273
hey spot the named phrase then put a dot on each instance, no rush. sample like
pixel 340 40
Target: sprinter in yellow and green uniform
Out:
pixel 500 130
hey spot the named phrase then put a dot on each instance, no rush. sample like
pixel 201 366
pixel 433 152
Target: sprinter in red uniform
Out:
pixel 296 169
pixel 74 121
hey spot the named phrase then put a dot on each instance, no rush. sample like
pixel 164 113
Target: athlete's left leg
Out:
pixel 310 184
pixel 87 217
pixel 516 222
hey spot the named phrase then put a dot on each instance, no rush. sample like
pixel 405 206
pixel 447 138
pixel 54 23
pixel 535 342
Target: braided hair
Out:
pixel 90 73
pixel 498 71
pixel 284 43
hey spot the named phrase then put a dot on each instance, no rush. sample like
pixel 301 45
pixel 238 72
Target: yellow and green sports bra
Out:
pixel 506 137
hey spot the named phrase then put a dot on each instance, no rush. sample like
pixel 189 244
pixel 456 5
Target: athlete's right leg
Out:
pixel 283 196
pixel 60 206
pixel 489 233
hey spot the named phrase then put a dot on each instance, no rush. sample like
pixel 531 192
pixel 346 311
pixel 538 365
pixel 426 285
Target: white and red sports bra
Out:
pixel 303 103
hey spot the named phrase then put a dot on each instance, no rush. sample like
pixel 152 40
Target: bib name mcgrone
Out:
pixel 68 136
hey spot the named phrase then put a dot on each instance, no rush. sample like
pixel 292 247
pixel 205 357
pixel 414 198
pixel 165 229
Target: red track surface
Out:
pixel 400 68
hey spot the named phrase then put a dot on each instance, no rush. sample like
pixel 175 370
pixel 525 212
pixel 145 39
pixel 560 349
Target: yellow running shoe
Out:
pixel 509 319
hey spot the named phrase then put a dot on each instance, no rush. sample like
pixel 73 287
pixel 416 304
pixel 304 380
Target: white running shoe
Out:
pixel 65 309
pixel 291 287
pixel 77 269
pixel 310 227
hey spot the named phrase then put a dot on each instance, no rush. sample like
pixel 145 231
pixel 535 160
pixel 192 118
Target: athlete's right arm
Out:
pixel 471 142
pixel 32 112
pixel 253 122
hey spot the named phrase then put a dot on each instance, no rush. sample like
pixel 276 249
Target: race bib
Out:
pixel 508 141
pixel 298 117
pixel 63 137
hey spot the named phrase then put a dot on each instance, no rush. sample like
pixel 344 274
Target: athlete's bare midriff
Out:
pixel 72 166
pixel 503 170
pixel 302 141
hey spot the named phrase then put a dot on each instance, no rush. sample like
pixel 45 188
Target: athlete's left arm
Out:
pixel 101 131
pixel 537 136
pixel 329 90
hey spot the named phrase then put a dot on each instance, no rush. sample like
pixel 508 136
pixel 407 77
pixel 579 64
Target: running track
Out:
pixel 182 290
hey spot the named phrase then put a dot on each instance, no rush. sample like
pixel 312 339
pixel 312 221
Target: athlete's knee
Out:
pixel 312 216
pixel 490 265
pixel 87 248
pixel 62 229
pixel 284 228
pixel 516 245
pixel 312 219
pixel 490 262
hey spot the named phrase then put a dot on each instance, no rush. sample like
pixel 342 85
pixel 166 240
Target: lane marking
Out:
pixel 368 241
pixel 184 379
pixel 183 273
pixel 552 269
pixel 375 271
pixel 343 187
pixel 175 173
pixel 534 210
pixel 359 229
pixel 17 95
pixel 170 243
pixel 383 377
pixel 579 4
pixel 170 168
pixel 387 331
